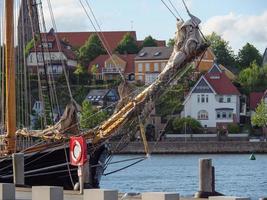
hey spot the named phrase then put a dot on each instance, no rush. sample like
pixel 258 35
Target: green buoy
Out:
pixel 252 157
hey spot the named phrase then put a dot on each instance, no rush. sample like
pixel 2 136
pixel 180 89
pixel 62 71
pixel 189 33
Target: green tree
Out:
pixel 187 124
pixel 149 41
pixel 247 55
pixel 90 50
pixel 127 45
pixel 171 101
pixel 249 78
pixel 81 74
pixel 260 117
pixel 171 42
pixel 90 116
pixel 222 50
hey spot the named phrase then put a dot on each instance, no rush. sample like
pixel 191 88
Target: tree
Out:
pixel 149 41
pixel 90 50
pixel 260 117
pixel 127 45
pixel 249 78
pixel 90 116
pixel 171 101
pixel 222 50
pixel 247 55
pixel 171 42
pixel 187 124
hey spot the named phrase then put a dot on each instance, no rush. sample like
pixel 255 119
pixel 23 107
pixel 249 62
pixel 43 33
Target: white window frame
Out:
pixel 147 67
pixel 156 67
pixel 140 67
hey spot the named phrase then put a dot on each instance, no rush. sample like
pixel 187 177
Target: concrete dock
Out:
pixel 26 194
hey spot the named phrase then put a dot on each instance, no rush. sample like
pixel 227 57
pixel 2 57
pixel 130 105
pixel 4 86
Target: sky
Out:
pixel 237 21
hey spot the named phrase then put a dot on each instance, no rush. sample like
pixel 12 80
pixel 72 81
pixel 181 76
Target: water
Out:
pixel 235 175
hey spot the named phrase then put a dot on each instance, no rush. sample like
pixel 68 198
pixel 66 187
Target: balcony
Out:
pixel 110 71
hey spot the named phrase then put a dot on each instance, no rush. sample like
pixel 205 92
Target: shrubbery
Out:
pixel 233 128
pixel 192 125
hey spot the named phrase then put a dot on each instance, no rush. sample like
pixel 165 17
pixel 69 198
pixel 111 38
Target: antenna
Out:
pixel 132 25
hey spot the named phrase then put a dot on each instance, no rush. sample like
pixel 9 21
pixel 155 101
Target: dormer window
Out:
pixel 157 53
pixel 142 54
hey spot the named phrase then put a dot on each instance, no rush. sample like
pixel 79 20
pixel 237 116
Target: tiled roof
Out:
pixel 78 39
pixel 221 84
pixel 100 61
pixel 255 99
pixel 154 53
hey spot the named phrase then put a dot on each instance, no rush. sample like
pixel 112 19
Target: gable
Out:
pixel 215 69
pixel 202 87
pixel 115 61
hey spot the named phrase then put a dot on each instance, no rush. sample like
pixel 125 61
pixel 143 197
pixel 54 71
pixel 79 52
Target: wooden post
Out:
pixel 10 77
pixel 18 168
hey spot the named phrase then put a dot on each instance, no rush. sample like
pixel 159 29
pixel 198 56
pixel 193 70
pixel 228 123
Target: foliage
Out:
pixel 247 55
pixel 222 50
pixel 127 45
pixel 90 116
pixel 149 41
pixel 191 125
pixel 90 50
pixel 260 117
pixel 233 128
pixel 253 78
pixel 81 75
pixel 171 101
pixel 29 46
pixel 171 42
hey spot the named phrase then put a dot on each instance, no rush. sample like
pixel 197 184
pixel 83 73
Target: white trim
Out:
pixel 215 65
pixel 189 94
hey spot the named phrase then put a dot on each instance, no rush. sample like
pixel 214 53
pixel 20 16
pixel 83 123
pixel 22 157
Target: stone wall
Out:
pixel 196 147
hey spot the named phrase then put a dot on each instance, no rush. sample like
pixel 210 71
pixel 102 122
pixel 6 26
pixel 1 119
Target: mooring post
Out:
pixel 7 191
pixel 160 196
pixel 206 179
pixel 18 168
pixel 47 193
pixel 99 194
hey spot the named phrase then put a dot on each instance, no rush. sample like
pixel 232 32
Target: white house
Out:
pixel 213 100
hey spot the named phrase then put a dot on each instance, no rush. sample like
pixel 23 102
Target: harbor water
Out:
pixel 235 174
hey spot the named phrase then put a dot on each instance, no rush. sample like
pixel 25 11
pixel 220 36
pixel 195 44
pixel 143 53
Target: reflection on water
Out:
pixel 235 175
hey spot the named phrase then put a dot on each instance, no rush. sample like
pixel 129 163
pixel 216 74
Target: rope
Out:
pixel 175 10
pixel 60 49
pixel 103 40
pixel 106 174
pixel 170 10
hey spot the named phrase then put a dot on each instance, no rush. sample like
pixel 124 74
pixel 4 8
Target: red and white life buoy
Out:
pixel 78 151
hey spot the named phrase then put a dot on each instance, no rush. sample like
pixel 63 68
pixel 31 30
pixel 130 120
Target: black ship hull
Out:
pixel 51 167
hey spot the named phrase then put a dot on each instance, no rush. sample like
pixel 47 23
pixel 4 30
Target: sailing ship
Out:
pixel 46 152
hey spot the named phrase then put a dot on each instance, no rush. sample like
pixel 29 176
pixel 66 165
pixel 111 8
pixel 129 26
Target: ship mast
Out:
pixel 10 77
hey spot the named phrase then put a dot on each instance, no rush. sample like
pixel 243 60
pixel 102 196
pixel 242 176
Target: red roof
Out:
pixel 221 84
pixel 255 99
pixel 100 61
pixel 66 49
pixel 78 39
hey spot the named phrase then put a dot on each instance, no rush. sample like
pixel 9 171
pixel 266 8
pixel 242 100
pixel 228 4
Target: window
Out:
pixel 221 99
pixel 140 77
pixel 147 67
pixel 198 98
pixel 140 67
pixel 156 67
pixel 203 115
pixel 202 98
pixel 207 98
pixel 224 115
pixel 230 115
pixel 218 115
pixel 228 99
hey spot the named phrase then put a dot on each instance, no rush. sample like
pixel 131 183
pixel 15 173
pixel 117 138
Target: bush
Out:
pixel 192 125
pixel 233 128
